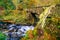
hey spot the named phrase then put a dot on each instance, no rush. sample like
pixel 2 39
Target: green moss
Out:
pixel 2 36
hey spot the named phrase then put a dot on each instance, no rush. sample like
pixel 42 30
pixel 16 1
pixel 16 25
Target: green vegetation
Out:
pixel 7 4
pixel 20 11
pixel 3 36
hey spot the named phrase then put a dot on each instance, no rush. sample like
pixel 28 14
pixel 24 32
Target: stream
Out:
pixel 16 31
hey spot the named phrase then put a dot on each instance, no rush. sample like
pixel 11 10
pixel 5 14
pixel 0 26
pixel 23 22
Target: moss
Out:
pixel 2 36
